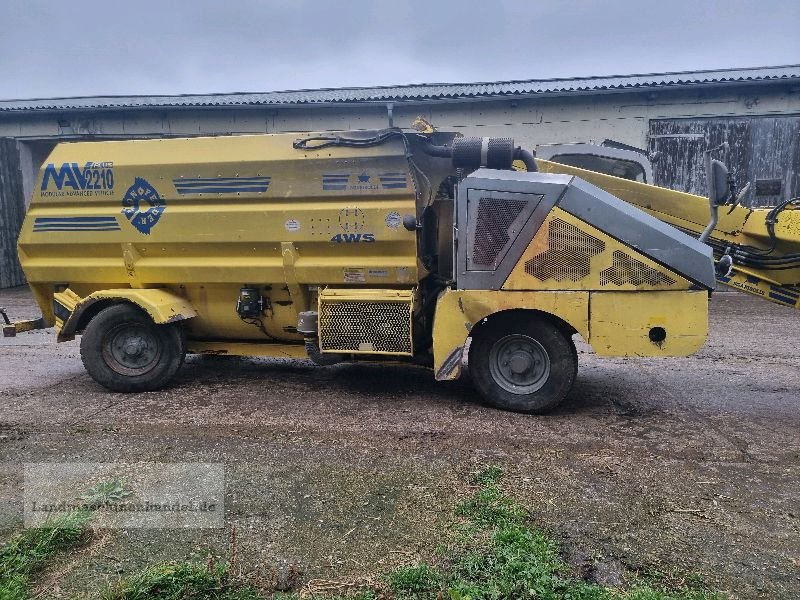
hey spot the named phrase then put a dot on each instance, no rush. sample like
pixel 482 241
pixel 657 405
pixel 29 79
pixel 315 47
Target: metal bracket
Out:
pixel 8 329
pixel 12 329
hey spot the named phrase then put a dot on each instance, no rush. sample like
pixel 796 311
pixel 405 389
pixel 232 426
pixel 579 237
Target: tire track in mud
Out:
pixel 691 416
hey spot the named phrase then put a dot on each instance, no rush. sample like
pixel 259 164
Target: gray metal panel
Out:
pixel 549 151
pixel 418 92
pixel 630 225
pixel 542 189
pixel 516 181
pixel 475 198
pixel 653 238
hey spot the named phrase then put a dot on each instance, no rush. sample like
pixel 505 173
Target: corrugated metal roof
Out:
pixel 416 92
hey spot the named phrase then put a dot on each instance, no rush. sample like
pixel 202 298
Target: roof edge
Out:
pixel 413 92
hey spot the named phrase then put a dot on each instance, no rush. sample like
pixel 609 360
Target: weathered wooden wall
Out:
pixel 764 151
pixel 12 212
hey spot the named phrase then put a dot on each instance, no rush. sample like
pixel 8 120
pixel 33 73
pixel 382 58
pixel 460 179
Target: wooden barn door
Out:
pixel 12 212
pixel 762 150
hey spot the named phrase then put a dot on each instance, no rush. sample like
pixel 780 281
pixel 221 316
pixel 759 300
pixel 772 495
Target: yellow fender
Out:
pixel 458 311
pixel 73 312
pixel 613 323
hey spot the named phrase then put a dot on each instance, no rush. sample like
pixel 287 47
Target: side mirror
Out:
pixel 718 191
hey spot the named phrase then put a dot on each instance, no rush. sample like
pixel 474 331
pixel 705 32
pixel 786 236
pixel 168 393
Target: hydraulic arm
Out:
pixel 756 250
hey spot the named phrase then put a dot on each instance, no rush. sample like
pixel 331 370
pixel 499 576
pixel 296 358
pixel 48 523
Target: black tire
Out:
pixel 523 364
pixel 124 351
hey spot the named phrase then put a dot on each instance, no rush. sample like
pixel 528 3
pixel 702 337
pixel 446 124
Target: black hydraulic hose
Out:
pixel 774 260
pixel 789 264
pixel 325 141
pixel 527 158
pixel 318 357
pixel 768 267
pixel 438 151
pixel 747 259
pixel 770 221
pixel 776 265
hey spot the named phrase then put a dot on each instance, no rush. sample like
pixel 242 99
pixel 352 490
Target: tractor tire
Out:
pixel 124 351
pixel 523 364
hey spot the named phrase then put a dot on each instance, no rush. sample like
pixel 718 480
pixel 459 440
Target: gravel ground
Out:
pixel 651 466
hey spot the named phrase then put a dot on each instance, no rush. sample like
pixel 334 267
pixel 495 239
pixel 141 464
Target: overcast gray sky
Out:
pixel 82 47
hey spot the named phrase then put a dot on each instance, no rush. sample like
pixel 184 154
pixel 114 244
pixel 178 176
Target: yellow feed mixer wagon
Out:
pixel 358 246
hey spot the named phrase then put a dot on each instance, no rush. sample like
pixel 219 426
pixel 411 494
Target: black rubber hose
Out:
pixel 760 258
pixel 324 141
pixel 317 357
pixel 527 158
pixel 474 144
pixel 792 263
pixel 438 151
pixel 778 260
pixel 768 267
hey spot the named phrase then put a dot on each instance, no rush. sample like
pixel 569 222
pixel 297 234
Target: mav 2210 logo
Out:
pixel 70 179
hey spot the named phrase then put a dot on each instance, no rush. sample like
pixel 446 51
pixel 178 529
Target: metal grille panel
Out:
pixel 627 269
pixel 495 218
pixel 364 326
pixel 568 256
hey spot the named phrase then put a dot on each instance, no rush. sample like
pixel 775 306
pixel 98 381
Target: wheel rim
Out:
pixel 519 364
pixel 131 349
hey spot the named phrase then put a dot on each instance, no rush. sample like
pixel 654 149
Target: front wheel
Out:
pixel 523 364
pixel 124 351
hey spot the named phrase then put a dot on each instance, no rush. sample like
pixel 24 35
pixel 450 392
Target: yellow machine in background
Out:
pixel 372 245
pixel 757 249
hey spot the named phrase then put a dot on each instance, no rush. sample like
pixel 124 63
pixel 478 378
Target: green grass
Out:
pixel 195 581
pixel 497 554
pixel 179 581
pixel 494 552
pixel 27 553
pixel 420 581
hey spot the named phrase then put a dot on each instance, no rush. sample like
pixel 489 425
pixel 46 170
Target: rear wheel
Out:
pixel 124 351
pixel 523 364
